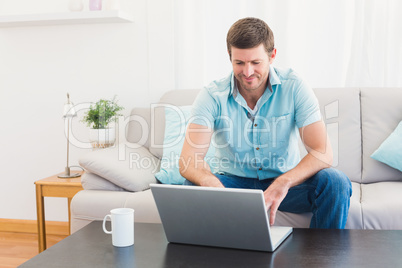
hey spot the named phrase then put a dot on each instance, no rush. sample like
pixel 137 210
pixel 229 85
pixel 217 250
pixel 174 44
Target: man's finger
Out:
pixel 272 215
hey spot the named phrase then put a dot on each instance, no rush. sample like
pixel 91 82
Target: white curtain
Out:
pixel 343 43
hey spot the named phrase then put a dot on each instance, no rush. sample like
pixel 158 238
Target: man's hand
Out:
pixel 274 195
pixel 210 180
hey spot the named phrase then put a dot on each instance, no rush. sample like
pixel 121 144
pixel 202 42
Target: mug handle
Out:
pixel 104 224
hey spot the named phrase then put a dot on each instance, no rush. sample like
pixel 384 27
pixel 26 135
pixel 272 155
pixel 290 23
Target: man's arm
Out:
pixel 315 139
pixel 192 165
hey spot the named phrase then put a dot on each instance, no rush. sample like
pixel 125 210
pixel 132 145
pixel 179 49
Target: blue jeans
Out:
pixel 326 194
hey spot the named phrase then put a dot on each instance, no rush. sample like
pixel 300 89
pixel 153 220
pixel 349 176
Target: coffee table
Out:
pixel 91 247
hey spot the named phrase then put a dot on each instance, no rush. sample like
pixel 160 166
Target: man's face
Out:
pixel 251 67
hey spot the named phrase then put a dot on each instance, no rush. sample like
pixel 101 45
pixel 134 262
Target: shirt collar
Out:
pixel 233 86
pixel 273 76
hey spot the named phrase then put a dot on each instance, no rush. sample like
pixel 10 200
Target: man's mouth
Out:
pixel 249 79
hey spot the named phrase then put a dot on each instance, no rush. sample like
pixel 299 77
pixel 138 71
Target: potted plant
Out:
pixel 98 118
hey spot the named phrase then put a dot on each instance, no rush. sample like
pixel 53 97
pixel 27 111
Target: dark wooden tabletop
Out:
pixel 91 247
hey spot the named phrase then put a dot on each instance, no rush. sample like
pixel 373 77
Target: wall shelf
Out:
pixel 82 17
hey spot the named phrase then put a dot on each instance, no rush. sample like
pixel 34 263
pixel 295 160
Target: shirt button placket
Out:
pixel 257 148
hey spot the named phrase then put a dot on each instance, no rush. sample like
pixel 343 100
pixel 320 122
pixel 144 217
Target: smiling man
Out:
pixel 254 118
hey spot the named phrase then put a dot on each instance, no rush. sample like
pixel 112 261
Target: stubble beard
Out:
pixel 250 87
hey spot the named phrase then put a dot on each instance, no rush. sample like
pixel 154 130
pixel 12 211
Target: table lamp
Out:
pixel 69 113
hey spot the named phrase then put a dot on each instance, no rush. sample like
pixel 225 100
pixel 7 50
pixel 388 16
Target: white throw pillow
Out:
pixel 91 181
pixel 132 169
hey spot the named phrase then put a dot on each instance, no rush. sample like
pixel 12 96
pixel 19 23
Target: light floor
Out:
pixel 17 248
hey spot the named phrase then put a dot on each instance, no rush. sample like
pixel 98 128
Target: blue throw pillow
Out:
pixel 390 151
pixel 176 119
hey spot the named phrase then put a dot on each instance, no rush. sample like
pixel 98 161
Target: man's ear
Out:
pixel 272 56
pixel 230 55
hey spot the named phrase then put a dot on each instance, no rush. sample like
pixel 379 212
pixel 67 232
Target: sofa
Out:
pixel 358 121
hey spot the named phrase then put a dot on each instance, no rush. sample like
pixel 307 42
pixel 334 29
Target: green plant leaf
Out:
pixel 102 113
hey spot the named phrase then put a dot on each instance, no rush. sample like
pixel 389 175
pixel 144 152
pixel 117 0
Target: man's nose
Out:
pixel 248 70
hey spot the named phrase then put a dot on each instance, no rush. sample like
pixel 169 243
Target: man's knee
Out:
pixel 336 180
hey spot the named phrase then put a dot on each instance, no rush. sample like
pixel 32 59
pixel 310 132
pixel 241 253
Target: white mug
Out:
pixel 122 226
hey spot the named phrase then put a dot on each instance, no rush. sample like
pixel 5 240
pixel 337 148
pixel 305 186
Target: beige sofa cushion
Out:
pixel 146 125
pixel 382 205
pixel 340 109
pixel 381 113
pixel 138 127
pixel 88 206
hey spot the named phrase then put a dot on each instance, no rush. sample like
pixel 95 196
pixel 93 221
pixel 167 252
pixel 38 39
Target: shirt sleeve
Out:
pixel 307 109
pixel 204 110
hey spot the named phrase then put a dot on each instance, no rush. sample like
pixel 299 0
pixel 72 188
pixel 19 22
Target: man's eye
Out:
pixel 256 62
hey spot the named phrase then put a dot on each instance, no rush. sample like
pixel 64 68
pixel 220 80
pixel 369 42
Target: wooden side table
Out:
pixel 53 187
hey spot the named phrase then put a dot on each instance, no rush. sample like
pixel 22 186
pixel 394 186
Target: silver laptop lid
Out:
pixel 221 217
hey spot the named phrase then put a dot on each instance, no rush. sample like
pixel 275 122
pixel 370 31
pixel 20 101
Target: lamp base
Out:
pixel 67 174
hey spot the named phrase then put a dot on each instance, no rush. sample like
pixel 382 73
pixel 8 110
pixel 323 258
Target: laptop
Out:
pixel 217 217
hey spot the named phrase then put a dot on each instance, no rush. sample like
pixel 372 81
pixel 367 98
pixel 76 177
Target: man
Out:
pixel 252 117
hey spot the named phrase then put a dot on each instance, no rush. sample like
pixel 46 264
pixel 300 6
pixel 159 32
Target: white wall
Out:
pixel 40 64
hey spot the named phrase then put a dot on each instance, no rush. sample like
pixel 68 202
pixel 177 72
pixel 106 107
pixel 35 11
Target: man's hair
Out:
pixel 249 33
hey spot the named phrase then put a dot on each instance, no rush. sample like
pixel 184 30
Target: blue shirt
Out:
pixel 264 145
